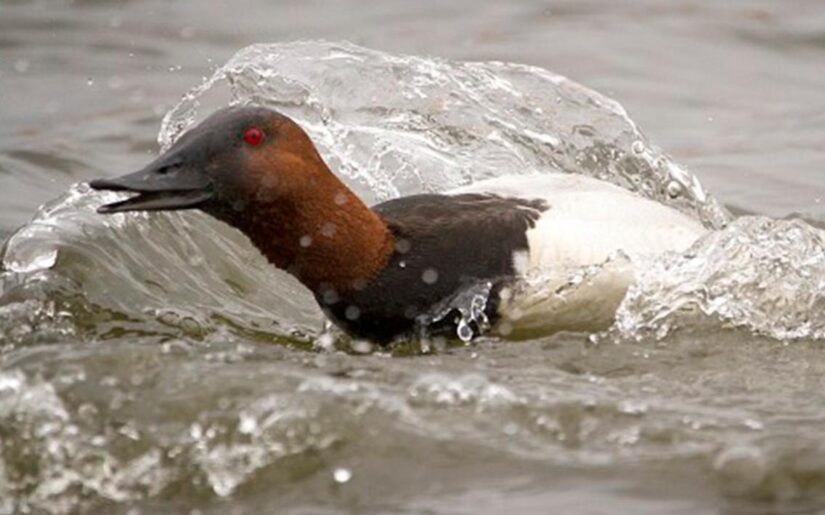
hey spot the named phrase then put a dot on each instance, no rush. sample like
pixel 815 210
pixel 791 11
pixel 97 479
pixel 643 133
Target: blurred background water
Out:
pixel 112 401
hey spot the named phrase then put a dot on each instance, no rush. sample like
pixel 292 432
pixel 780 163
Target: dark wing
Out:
pixel 444 244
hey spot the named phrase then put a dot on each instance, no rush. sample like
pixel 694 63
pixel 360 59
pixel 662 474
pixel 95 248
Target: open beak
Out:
pixel 164 185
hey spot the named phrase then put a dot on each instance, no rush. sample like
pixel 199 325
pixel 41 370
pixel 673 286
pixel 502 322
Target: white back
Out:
pixel 587 222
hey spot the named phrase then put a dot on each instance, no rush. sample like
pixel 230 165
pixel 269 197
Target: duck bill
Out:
pixel 161 186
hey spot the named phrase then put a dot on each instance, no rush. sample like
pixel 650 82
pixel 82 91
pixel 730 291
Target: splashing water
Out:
pixel 446 124
pixel 764 275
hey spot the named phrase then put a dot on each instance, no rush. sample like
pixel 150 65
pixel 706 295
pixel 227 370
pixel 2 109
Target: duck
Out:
pixel 395 270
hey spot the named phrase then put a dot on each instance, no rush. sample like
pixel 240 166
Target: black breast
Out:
pixel 443 244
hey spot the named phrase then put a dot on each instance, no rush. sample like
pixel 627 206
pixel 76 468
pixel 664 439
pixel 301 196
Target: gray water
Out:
pixel 156 363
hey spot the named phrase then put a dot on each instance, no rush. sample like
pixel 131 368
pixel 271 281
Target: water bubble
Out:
pixel 87 411
pixel 328 229
pixel 361 346
pixel 632 407
pixel 674 189
pixel 430 276
pixel 196 431
pixel 129 431
pixel 352 313
pixel 741 467
pixel 22 65
pixel 464 331
pixel 341 475
pixel 753 424
pixel 402 246
pixel 638 147
pixel 325 342
pixel 11 384
pixel 39 261
pixel 247 423
pixel 330 296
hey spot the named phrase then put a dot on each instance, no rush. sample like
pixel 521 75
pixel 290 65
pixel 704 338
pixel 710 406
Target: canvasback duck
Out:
pixel 378 272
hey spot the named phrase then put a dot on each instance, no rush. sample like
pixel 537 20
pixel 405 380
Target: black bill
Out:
pixel 164 185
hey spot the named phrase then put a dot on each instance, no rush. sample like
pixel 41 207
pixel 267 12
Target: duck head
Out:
pixel 233 160
pixel 257 170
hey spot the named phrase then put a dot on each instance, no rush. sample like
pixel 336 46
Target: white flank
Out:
pixel 588 222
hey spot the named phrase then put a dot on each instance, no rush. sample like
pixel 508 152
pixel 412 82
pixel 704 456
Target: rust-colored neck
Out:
pixel 321 233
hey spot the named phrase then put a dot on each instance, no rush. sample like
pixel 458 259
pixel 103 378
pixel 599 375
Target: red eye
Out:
pixel 253 136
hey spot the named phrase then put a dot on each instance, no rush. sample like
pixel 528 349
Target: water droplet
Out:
pixel 328 229
pixel 87 411
pixel 753 424
pixel 22 65
pixel 402 246
pixel 129 431
pixel 247 424
pixel 10 383
pixel 90 81
pixel 361 346
pixel 341 475
pixel 741 467
pixel 674 189
pixel 352 313
pixel 330 296
pixel 340 199
pixel 41 261
pixel 430 276
pixel 402 264
pixel 325 342
pixel 632 407
pixel 305 241
pixel 638 147
pixel 464 331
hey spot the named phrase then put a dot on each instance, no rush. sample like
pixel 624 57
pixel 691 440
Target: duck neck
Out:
pixel 328 240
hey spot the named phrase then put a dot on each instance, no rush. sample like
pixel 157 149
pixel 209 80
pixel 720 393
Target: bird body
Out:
pixel 402 267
